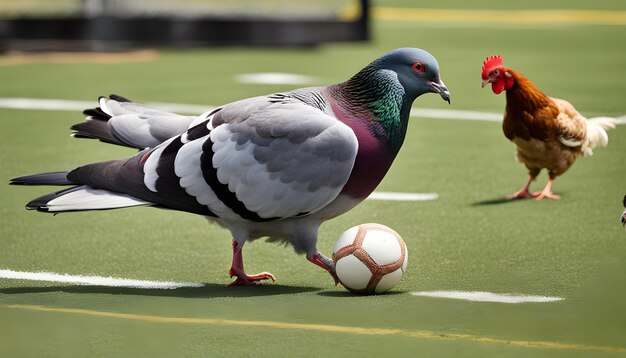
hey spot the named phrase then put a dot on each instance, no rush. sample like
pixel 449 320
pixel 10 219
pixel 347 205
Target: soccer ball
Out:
pixel 370 258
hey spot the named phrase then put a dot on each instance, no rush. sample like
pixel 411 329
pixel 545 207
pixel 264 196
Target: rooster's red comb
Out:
pixel 490 63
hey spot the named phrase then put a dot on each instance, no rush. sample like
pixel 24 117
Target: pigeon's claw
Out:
pixel 325 263
pixel 334 275
pixel 236 269
pixel 249 280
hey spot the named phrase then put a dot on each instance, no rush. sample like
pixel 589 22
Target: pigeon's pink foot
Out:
pixel 236 269
pixel 249 280
pixel 325 263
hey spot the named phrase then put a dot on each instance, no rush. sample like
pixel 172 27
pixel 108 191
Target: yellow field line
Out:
pixel 421 334
pixel 588 17
pixel 17 58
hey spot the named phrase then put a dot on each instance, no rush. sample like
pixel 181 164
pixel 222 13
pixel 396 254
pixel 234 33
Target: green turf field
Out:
pixel 467 240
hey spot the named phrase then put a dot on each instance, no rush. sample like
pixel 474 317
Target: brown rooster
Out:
pixel 548 132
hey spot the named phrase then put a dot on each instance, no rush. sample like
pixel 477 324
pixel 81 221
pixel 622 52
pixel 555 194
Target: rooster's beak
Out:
pixel 486 82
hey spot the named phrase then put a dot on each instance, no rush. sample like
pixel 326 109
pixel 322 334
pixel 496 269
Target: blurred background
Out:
pixel 118 24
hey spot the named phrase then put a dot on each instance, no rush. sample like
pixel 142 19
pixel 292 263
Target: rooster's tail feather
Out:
pixel 596 133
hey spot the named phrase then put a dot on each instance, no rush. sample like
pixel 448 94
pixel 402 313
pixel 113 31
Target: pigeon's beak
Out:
pixel 440 87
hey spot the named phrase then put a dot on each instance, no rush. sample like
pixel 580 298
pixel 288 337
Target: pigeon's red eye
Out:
pixel 418 67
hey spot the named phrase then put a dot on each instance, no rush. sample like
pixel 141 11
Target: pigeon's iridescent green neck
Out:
pixel 378 95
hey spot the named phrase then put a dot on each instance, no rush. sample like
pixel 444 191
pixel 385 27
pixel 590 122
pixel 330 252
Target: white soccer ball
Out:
pixel 370 258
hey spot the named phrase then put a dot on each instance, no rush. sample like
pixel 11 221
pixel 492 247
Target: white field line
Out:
pixel 391 196
pixel 274 78
pixel 69 105
pixel 130 283
pixel 477 296
pixel 94 280
pixel 144 284
pixel 455 114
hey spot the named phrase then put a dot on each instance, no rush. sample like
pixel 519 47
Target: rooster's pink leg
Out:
pixel 325 263
pixel 523 193
pixel 236 269
pixel 547 191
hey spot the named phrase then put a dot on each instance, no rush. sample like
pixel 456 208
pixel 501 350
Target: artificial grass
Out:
pixel 468 239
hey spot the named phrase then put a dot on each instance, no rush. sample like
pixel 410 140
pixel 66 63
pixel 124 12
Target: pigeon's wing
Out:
pixel 260 160
pixel 121 121
pixel 256 160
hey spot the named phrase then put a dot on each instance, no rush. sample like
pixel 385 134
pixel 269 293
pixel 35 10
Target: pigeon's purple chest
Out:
pixel 373 158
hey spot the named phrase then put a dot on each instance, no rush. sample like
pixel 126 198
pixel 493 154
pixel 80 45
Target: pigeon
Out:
pixel 274 166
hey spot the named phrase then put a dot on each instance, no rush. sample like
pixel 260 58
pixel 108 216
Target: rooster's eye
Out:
pixel 419 67
pixel 497 72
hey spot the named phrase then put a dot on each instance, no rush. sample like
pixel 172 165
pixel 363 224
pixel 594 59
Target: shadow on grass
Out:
pixel 347 294
pixel 497 201
pixel 206 291
pixel 503 200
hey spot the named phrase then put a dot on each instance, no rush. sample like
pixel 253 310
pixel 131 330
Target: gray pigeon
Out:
pixel 274 166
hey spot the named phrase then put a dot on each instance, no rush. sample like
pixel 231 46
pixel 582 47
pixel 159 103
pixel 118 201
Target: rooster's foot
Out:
pixel 547 195
pixel 547 191
pixel 522 194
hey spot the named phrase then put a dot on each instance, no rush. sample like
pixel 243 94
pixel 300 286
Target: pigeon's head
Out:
pixel 417 70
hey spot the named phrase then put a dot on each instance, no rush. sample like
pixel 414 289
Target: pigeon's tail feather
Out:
pixel 97 113
pixel 76 198
pixel 54 178
pixel 120 121
pixel 119 98
pixel 83 198
pixel 96 125
pixel 96 129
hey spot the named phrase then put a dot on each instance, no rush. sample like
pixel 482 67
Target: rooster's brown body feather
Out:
pixel 548 132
